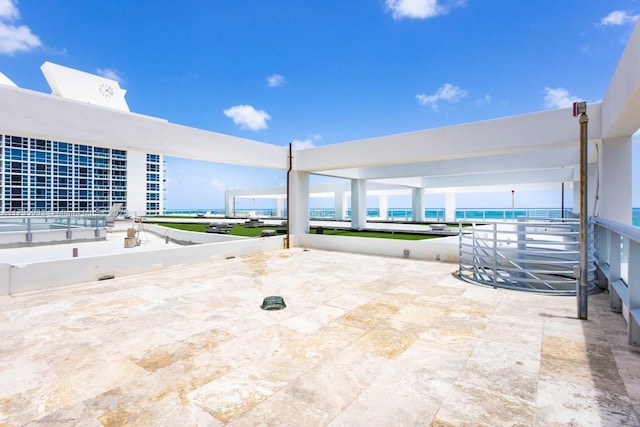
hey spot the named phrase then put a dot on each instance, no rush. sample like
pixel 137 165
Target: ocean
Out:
pixel 403 214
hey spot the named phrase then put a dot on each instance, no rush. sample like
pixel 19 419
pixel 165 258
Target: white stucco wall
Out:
pixel 440 249
pixel 49 274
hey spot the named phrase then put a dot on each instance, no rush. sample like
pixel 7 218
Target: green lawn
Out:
pixel 379 234
pixel 240 230
pixel 187 227
pixel 237 230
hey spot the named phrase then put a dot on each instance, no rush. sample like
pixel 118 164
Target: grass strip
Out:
pixel 240 230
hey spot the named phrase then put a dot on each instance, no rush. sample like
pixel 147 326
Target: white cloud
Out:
pixel 484 100
pixel 14 38
pixel 618 17
pixel 419 9
pixel 110 74
pixel 558 98
pixel 276 80
pixel 248 117
pixel 302 144
pixel 8 10
pixel 448 93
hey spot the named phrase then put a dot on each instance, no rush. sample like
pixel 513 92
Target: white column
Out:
pixel 358 204
pixel 383 205
pixel 298 205
pixel 339 204
pixel 280 206
pixel 417 204
pixel 615 180
pixel 450 206
pixel 228 203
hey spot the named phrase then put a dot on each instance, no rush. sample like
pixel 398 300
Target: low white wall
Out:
pixel 5 278
pixel 190 237
pixel 440 249
pixel 47 274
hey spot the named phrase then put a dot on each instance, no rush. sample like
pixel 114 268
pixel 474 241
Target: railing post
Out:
pixel 495 254
pixel 29 235
pixel 97 229
pixel 460 247
pixel 522 246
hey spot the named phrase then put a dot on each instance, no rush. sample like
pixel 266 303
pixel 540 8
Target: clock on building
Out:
pixel 106 90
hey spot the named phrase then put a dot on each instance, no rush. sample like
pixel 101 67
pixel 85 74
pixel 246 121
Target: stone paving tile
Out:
pixel 562 403
pixel 289 411
pixel 468 404
pixel 334 384
pixel 364 340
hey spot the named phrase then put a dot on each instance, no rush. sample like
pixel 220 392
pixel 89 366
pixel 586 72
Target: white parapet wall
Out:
pixel 184 237
pixel 440 249
pixel 48 274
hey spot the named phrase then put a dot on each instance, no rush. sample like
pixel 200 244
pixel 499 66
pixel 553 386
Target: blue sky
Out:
pixel 320 72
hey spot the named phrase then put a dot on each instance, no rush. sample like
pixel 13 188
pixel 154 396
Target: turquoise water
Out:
pixel 405 214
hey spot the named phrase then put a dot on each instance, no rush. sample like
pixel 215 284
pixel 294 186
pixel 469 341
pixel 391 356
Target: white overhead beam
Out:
pixel 518 134
pixel 519 177
pixel 38 115
pixel 551 158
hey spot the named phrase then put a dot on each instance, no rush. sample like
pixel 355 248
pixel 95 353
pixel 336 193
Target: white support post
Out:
pixel 340 201
pixel 280 206
pixel 383 206
pixel 299 205
pixel 417 204
pixel 228 203
pixel 358 204
pixel 450 207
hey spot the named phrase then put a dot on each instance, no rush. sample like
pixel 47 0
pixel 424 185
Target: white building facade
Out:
pixel 38 173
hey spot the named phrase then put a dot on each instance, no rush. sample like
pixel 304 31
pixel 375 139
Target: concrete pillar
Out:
pixel 383 205
pixel 340 203
pixel 298 205
pixel 228 203
pixel 450 207
pixel 280 206
pixel 615 178
pixel 417 204
pixel 358 204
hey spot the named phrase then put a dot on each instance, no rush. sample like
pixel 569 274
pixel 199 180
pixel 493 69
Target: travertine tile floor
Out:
pixel 364 341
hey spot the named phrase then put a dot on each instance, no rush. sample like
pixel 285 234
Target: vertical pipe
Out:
pixel 584 218
pixel 513 205
pixel 287 246
pixel 562 206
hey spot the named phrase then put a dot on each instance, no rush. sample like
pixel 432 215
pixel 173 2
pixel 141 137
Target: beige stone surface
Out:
pixel 364 340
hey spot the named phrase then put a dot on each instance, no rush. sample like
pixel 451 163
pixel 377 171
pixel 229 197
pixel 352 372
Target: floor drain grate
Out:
pixel 273 303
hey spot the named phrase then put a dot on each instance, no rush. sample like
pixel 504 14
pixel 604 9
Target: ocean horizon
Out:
pixel 405 213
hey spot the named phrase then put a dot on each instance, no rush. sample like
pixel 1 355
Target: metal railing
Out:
pixel 618 262
pixel 51 221
pixel 529 255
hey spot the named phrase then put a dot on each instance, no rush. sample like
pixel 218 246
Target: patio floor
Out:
pixel 364 341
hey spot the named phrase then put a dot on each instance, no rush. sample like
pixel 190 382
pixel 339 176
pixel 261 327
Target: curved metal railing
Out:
pixel 529 255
